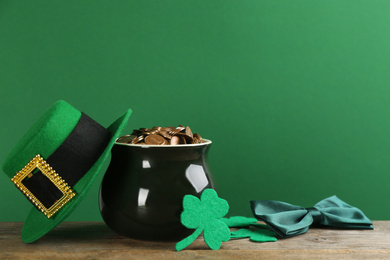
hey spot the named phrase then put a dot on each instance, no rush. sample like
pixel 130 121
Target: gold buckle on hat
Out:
pixel 44 167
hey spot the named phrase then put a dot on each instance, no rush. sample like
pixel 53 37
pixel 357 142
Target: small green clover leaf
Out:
pixel 204 216
pixel 216 233
pixel 258 235
pixel 239 221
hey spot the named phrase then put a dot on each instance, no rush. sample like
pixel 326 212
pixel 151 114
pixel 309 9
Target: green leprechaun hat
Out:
pixel 55 162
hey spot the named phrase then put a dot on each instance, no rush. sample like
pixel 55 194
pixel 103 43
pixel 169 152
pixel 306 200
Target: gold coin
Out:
pixel 188 131
pixel 186 137
pixel 182 139
pixel 197 136
pixel 125 138
pixel 151 132
pixel 176 130
pixel 137 139
pixel 197 139
pixel 175 140
pixel 154 139
pixel 165 134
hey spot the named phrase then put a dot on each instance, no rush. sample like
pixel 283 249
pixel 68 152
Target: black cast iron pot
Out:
pixel 142 191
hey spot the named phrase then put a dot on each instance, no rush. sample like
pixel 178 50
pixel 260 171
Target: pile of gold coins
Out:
pixel 162 136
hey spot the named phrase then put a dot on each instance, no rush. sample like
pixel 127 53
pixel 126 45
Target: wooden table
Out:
pixel 94 240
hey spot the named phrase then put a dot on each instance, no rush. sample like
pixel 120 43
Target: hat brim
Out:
pixel 37 224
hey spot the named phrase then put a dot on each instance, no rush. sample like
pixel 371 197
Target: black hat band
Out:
pixel 72 159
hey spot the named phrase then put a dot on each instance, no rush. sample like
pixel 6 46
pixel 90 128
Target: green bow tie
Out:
pixel 289 220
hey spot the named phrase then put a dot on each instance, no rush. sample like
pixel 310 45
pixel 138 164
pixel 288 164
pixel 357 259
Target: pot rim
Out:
pixel 205 142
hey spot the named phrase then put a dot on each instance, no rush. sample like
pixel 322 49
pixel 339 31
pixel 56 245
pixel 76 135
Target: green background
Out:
pixel 295 95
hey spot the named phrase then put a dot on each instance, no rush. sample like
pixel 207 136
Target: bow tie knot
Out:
pixel 315 214
pixel 290 220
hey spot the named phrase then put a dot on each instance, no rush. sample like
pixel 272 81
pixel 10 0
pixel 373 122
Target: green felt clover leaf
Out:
pixel 239 221
pixel 258 235
pixel 204 216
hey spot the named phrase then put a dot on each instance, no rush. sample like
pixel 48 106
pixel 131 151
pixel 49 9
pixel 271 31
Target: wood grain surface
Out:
pixel 94 240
